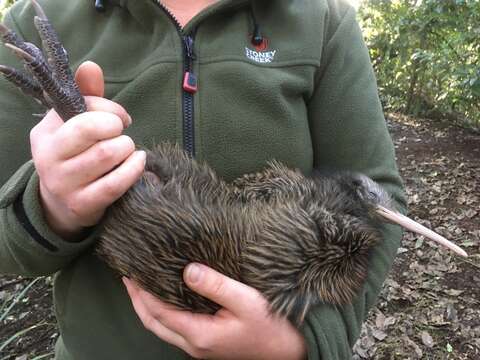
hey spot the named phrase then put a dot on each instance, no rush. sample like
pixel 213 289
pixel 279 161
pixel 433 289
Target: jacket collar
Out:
pixel 132 6
pixel 218 4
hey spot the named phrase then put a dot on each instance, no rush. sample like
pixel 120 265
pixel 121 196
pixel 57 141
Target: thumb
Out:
pixel 227 292
pixel 89 77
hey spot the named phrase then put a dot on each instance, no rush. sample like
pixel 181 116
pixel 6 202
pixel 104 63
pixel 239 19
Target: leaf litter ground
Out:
pixel 429 307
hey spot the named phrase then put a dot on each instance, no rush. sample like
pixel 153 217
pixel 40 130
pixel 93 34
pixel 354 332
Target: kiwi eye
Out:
pixel 373 195
pixel 357 183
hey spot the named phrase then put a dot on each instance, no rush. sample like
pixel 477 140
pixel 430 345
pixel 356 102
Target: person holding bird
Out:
pixel 236 83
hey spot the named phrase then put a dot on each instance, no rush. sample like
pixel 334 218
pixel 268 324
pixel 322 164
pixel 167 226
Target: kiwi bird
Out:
pixel 299 240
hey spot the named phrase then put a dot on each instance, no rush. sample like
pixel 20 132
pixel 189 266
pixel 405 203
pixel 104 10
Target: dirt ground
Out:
pixel 430 304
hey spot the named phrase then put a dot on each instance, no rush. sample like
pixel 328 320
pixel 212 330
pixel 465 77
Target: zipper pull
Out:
pixel 189 78
pixel 190 82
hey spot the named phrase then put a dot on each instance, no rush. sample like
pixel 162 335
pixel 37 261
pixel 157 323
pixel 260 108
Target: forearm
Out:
pixel 27 245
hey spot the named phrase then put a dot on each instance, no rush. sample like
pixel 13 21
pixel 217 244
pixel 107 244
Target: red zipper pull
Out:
pixel 190 82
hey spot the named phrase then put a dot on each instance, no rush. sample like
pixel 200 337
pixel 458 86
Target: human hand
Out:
pixel 242 329
pixel 84 164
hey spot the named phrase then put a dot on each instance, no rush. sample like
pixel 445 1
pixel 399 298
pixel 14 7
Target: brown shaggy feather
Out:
pixel 298 240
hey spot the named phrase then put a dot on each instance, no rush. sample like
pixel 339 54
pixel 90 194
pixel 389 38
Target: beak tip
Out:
pixel 411 225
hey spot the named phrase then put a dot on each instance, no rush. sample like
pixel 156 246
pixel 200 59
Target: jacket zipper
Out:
pixel 189 82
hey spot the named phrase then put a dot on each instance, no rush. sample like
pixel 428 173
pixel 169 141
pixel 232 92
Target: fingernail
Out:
pixel 129 120
pixel 142 154
pixel 193 273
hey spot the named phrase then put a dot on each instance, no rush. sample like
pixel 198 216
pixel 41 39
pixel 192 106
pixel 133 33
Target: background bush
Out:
pixel 4 5
pixel 426 56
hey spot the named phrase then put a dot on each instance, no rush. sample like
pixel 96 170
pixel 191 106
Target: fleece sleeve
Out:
pixel 27 245
pixel 349 133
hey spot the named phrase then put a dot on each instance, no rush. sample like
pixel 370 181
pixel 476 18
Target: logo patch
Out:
pixel 260 56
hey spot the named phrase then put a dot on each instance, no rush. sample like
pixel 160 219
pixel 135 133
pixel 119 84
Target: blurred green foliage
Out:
pixel 4 5
pixel 426 55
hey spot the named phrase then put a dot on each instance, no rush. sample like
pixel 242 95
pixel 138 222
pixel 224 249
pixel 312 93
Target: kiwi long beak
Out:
pixel 411 225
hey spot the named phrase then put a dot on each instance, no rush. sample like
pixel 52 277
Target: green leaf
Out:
pixel 476 87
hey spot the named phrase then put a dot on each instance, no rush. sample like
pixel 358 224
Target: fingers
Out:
pixel 105 120
pixel 101 104
pixel 85 130
pixel 97 160
pixel 180 321
pixel 75 192
pixel 107 189
pixel 231 294
pixel 142 303
pixel 89 77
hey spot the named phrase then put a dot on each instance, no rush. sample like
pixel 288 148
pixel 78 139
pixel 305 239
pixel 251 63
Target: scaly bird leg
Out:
pixel 49 81
pixel 23 81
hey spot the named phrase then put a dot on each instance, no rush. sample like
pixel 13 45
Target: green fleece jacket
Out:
pixel 306 97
